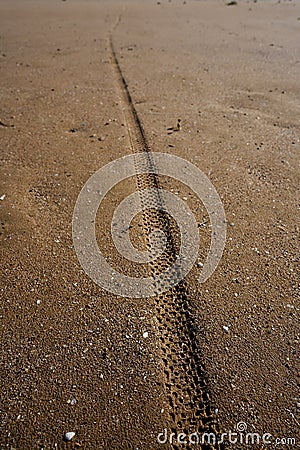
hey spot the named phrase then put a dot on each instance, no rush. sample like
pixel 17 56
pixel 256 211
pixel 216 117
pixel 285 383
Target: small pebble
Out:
pixel 2 197
pixel 69 436
pixel 146 334
pixel 225 328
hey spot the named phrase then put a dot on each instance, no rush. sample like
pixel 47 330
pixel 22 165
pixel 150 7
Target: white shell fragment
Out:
pixel 69 436
pixel 146 334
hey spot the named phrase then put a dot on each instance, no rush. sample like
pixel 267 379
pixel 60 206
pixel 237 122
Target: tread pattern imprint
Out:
pixel 183 374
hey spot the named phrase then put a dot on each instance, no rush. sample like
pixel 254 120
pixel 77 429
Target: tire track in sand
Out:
pixel 185 383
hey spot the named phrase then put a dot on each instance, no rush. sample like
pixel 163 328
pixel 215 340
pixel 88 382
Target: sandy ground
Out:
pixel 74 356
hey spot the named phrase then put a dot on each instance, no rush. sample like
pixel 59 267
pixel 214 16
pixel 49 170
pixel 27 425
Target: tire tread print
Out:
pixel 190 409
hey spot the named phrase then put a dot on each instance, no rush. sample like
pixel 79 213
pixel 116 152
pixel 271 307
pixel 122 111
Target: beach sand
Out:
pixel 117 371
